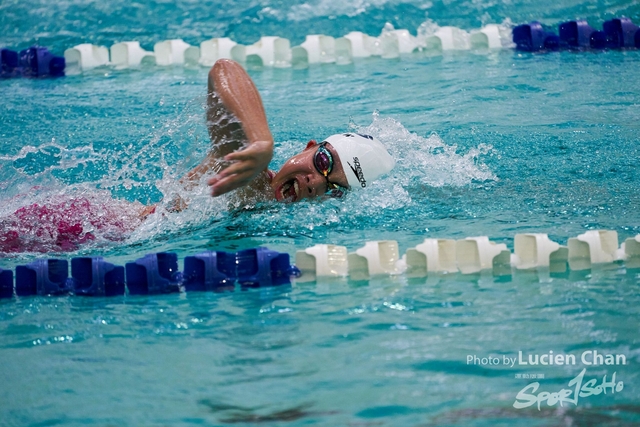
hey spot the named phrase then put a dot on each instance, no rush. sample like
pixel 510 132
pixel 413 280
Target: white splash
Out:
pixel 428 160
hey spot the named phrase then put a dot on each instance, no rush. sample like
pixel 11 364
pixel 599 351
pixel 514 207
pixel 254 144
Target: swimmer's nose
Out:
pixel 312 186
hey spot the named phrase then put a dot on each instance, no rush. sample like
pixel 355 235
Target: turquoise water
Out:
pixel 488 143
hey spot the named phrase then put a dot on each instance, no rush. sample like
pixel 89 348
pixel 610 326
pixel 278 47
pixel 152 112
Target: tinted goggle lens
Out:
pixel 323 161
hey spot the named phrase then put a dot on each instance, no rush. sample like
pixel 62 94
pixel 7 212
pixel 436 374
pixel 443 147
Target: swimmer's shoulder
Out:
pixel 258 191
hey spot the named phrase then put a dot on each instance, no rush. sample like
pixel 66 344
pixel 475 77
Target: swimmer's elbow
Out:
pixel 223 72
pixel 224 64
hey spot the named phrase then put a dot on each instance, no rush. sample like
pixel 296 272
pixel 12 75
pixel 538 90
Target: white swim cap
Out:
pixel 363 157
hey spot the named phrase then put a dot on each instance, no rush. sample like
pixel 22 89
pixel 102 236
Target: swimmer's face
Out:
pixel 299 178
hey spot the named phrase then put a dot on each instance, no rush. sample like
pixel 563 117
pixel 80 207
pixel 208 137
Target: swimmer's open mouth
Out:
pixel 289 191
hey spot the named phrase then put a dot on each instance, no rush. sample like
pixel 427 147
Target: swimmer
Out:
pixel 242 147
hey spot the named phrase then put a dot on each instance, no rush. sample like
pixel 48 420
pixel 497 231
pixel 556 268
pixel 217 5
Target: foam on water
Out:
pixel 428 160
pixel 63 222
pixel 41 161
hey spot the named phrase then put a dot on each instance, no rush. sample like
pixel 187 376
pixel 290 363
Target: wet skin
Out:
pixel 309 182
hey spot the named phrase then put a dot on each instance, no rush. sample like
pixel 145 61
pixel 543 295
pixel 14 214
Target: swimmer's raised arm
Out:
pixel 235 119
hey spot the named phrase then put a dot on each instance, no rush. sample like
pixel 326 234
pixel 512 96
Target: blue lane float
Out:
pixel 6 283
pixel 35 61
pixel 533 37
pixel 8 63
pixel 620 33
pixel 154 274
pixel 259 267
pixel 575 34
pixel 598 40
pixel 263 267
pixel 43 277
pixel 209 271
pixel 96 277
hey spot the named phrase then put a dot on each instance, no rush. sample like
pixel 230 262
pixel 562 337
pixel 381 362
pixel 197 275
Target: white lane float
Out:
pixel 316 49
pixel 216 48
pixel 375 258
pixel 631 248
pixel 536 250
pixel 361 44
pixel 130 55
pixel 431 256
pixel 269 51
pixel 487 37
pixel 475 254
pixel 85 57
pixel 323 261
pixel 171 52
pixel 593 247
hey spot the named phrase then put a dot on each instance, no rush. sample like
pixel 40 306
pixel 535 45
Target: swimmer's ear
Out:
pixel 311 144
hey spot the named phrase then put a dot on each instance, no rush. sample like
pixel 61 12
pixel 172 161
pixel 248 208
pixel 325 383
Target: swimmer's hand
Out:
pixel 248 164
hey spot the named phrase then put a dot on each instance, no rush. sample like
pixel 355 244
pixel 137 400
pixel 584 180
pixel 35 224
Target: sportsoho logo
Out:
pixel 356 168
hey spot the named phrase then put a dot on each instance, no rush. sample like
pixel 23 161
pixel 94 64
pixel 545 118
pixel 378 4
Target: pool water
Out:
pixel 488 143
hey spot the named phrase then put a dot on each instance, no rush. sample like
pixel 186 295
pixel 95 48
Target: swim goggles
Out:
pixel 323 162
